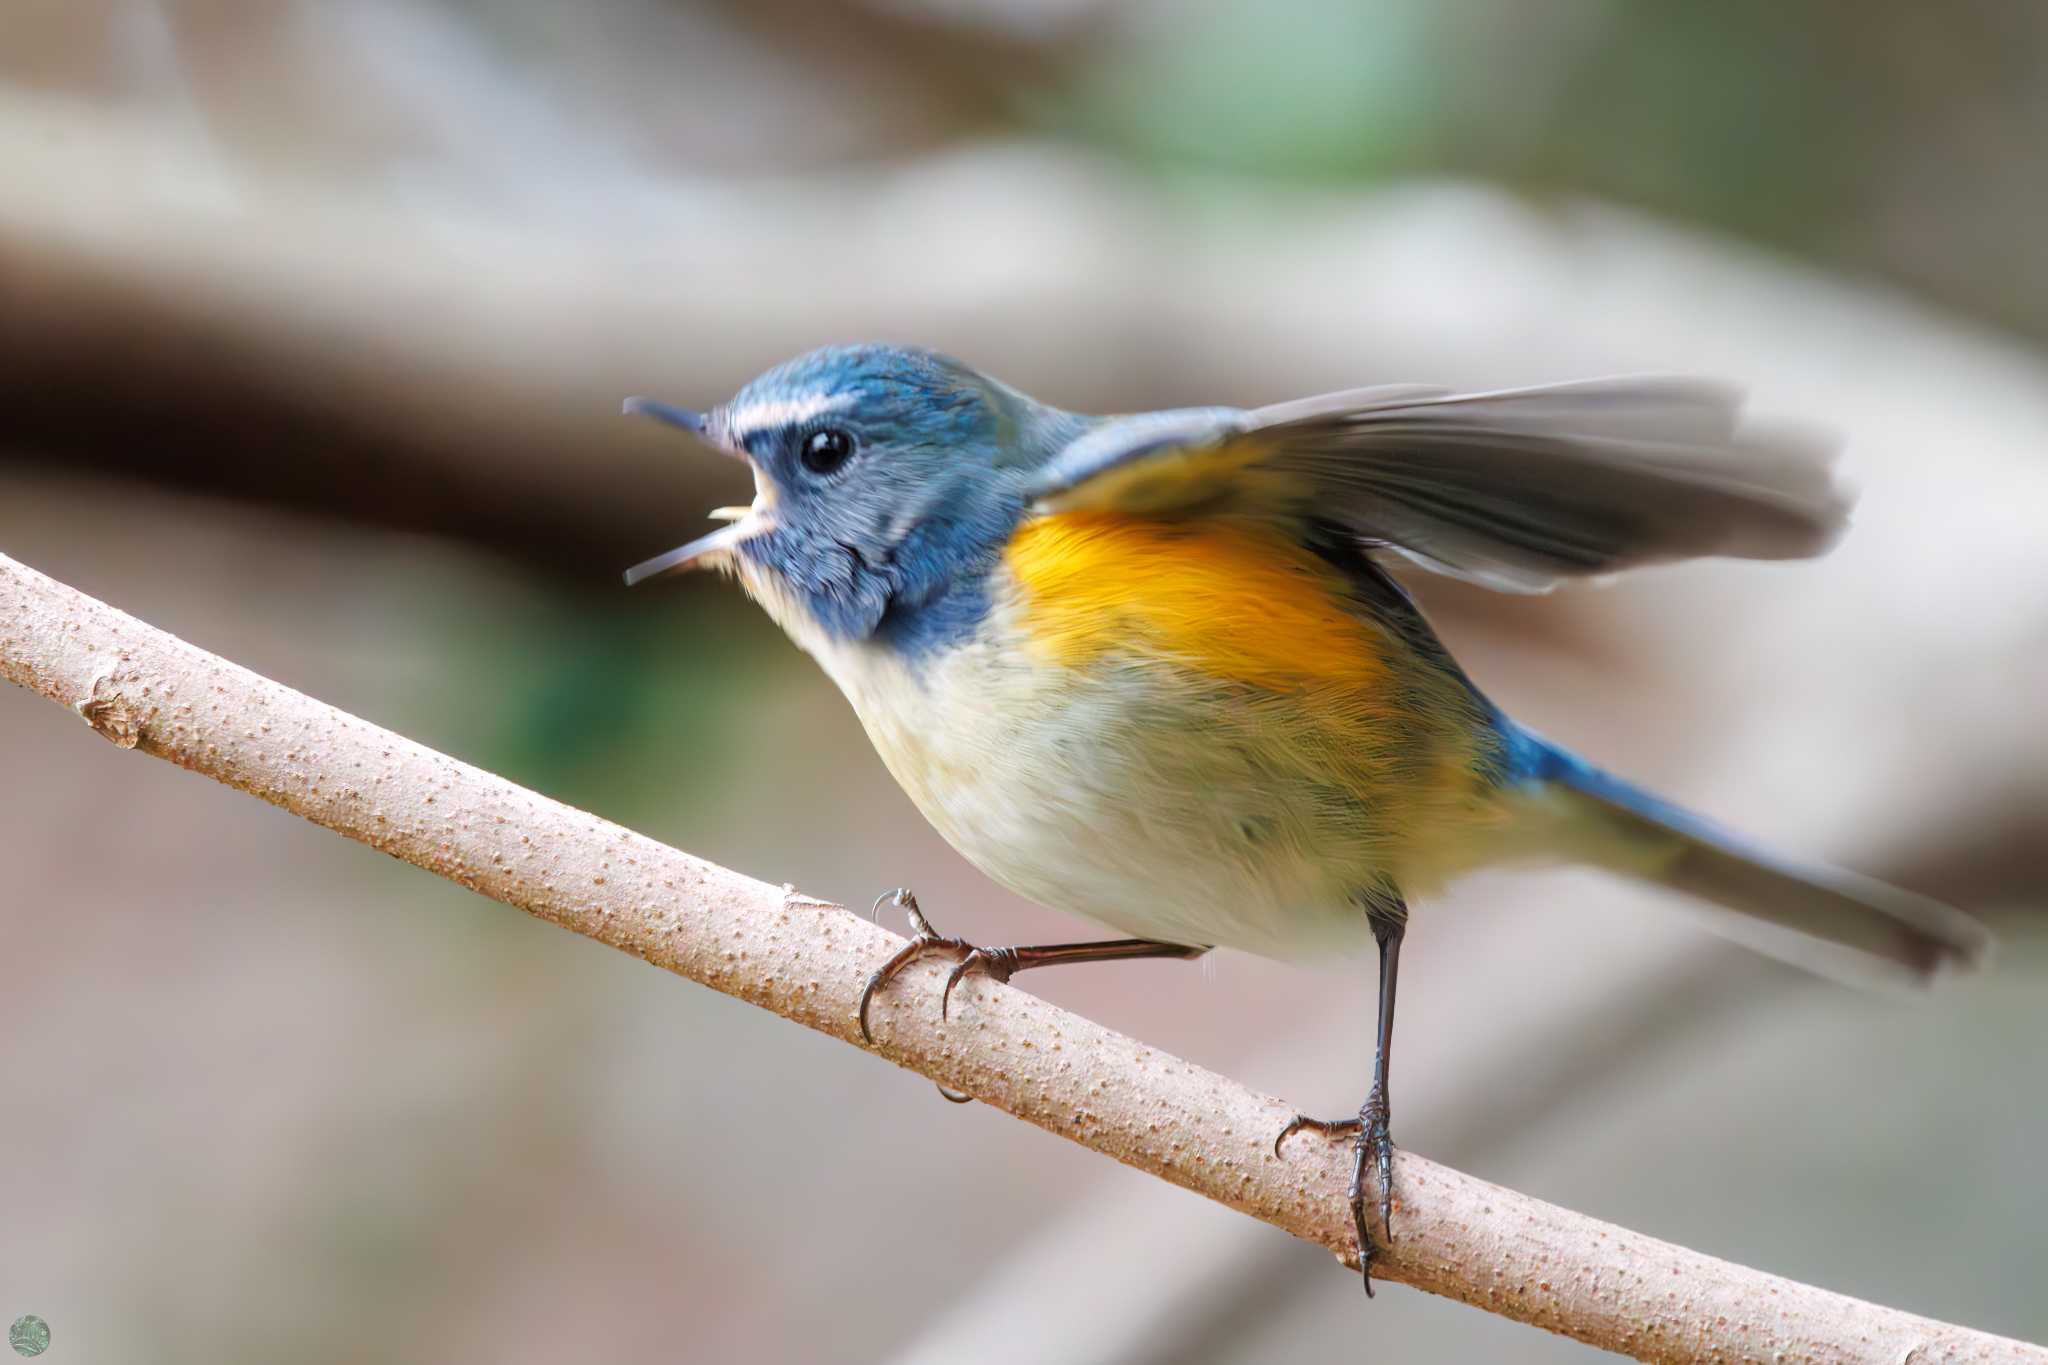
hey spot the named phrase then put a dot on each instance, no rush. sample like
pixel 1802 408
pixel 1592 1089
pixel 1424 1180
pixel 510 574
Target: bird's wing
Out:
pixel 1514 490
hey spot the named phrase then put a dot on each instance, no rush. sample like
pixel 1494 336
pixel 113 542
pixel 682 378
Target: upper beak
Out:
pixel 666 412
pixel 705 549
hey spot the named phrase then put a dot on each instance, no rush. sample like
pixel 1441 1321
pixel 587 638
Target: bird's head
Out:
pixel 882 474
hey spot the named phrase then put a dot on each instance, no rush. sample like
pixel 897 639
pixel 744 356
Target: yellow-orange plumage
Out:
pixel 1275 726
pixel 1237 599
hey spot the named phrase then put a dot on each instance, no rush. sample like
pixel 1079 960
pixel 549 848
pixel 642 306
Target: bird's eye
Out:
pixel 826 449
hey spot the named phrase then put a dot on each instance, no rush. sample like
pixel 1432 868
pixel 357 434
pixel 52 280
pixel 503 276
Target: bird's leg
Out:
pixel 1373 1138
pixel 1371 1143
pixel 999 963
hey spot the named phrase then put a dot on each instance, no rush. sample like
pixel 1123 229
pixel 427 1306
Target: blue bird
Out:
pixel 1152 669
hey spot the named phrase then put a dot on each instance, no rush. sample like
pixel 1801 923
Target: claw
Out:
pixel 1377 1141
pixel 998 964
pixel 1371 1145
pixel 1327 1127
pixel 1364 1235
pixel 1376 1146
pixel 906 900
pixel 923 942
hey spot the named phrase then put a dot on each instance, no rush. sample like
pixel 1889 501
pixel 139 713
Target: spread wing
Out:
pixel 1514 490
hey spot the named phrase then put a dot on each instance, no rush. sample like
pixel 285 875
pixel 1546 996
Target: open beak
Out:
pixel 700 553
pixel 705 551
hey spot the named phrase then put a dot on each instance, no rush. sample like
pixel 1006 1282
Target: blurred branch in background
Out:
pixel 398 262
pixel 805 960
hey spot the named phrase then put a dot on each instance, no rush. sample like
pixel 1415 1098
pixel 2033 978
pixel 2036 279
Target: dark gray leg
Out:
pixel 1371 1144
pixel 999 963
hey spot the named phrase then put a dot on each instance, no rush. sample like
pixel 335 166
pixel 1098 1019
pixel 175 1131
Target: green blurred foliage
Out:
pixel 1891 137
pixel 619 707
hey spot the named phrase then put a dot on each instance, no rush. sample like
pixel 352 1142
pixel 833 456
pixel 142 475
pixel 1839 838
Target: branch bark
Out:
pixel 806 961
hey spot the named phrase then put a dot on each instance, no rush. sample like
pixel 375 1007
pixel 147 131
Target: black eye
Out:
pixel 826 449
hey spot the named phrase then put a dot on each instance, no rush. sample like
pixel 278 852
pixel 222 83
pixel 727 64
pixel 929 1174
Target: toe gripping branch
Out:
pixel 1371 1147
pixel 998 964
pixel 925 941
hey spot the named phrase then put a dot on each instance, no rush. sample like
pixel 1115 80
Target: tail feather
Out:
pixel 1836 923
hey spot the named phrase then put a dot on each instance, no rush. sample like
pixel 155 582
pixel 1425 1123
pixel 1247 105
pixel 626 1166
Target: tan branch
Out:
pixel 806 961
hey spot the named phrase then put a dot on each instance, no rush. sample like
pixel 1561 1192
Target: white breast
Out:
pixel 1113 796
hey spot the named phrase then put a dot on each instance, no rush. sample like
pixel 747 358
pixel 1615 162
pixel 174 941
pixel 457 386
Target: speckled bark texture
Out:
pixel 805 960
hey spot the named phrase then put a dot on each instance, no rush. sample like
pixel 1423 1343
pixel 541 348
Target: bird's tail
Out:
pixel 1837 923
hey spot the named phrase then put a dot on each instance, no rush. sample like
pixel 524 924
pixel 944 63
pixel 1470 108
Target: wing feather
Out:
pixel 1515 489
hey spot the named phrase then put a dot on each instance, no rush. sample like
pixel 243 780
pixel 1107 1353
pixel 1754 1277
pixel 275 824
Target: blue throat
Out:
pixel 927 593
pixel 942 591
pixel 937 624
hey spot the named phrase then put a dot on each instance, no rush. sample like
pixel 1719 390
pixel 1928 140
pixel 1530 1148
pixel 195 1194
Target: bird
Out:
pixel 1156 670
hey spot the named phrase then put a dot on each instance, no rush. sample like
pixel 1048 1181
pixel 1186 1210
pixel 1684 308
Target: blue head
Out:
pixel 886 481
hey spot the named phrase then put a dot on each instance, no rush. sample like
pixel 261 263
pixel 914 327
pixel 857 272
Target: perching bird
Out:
pixel 1151 669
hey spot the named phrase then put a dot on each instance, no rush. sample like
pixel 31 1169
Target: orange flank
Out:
pixel 1233 599
pixel 1367 752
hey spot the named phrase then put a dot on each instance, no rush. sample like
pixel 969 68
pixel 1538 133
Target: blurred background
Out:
pixel 315 316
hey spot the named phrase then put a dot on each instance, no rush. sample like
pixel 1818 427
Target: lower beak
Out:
pixel 702 553
pixel 706 551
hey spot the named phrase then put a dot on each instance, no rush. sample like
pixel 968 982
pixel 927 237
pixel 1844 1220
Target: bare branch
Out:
pixel 806 961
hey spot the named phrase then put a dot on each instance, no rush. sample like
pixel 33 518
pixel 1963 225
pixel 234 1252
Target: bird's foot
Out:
pixel 925 941
pixel 1372 1146
pixel 998 964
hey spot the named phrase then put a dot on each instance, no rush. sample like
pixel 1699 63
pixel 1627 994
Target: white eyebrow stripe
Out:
pixel 776 413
